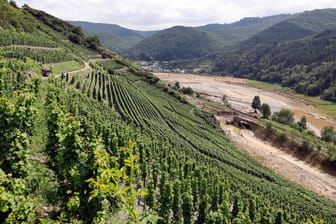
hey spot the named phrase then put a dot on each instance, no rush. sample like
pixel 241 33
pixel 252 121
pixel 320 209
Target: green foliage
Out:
pixel 328 134
pixel 297 27
pixel 118 184
pixel 302 124
pixel 315 220
pixel 305 65
pixel 256 104
pixel 284 116
pixel 69 153
pixel 266 110
pixel 187 90
pixel 174 43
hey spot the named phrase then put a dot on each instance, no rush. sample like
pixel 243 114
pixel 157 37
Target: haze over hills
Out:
pixel 122 39
pixel 114 37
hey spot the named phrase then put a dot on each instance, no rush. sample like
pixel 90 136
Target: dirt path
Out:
pixel 87 65
pixel 286 165
pixel 240 97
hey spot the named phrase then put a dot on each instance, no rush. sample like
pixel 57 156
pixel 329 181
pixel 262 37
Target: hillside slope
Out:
pixel 297 27
pixel 111 143
pixel 232 34
pixel 306 65
pixel 114 37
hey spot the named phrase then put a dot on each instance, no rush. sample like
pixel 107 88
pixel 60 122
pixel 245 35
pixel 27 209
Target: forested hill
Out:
pixel 180 43
pixel 299 26
pixel 99 140
pixel 230 35
pixel 306 65
pixel 174 43
pixel 121 39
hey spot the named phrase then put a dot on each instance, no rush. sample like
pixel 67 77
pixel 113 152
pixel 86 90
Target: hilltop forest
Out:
pixel 86 136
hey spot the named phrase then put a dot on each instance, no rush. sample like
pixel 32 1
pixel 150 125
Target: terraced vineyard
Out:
pixel 195 134
pixel 117 145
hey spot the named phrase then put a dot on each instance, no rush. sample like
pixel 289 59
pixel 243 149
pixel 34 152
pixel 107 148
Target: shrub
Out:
pixel 284 116
pixel 187 90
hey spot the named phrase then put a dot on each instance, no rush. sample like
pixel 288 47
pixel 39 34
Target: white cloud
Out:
pixel 158 14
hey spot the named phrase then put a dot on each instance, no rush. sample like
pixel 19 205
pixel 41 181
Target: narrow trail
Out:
pixel 31 47
pixel 87 65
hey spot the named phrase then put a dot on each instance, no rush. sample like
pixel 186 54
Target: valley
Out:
pixel 240 95
pixel 87 136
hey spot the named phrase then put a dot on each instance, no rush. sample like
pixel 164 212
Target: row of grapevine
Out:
pixel 192 133
pixel 8 38
pixel 44 56
pixel 206 191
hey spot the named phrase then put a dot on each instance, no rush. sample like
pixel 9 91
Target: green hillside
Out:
pixel 114 37
pixel 306 65
pixel 297 27
pixel 110 143
pixel 119 39
pixel 174 43
pixel 232 34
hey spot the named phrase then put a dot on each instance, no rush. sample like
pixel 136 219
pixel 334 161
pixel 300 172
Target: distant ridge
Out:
pixel 114 37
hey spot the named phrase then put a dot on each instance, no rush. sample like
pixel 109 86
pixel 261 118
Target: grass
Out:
pixel 67 66
pixel 322 106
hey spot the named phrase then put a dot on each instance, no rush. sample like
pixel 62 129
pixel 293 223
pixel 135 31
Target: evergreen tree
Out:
pixel 266 110
pixel 302 123
pixel 256 104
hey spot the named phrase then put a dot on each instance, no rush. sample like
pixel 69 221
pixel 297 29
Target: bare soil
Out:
pixel 240 97
pixel 286 165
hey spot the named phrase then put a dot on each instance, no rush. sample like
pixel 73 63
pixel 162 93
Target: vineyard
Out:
pixel 115 145
pixel 186 129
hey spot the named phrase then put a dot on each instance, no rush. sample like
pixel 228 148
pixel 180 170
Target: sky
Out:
pixel 159 14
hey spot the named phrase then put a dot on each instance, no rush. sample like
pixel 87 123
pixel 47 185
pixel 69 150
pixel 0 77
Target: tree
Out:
pixel 225 100
pixel 266 110
pixel 284 116
pixel 302 123
pixel 256 104
pixel 187 90
pixel 328 134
